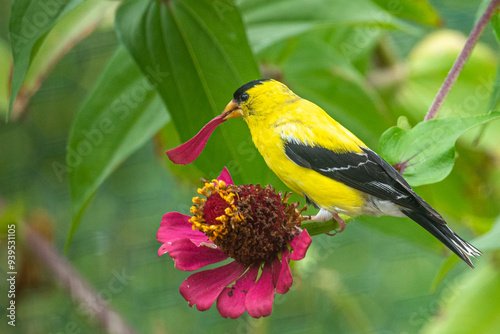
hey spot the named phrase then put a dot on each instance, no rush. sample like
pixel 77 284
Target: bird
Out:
pixel 319 159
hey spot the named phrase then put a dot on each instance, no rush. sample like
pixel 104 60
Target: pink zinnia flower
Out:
pixel 255 226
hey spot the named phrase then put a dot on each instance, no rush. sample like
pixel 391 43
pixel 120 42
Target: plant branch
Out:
pixel 461 59
pixel 78 288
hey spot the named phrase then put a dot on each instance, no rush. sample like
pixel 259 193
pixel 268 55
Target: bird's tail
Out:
pixel 438 228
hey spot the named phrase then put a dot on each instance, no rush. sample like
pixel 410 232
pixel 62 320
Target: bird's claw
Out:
pixel 339 230
pixel 342 225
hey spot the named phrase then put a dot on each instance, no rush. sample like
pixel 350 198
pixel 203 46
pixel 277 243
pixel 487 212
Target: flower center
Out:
pixel 248 223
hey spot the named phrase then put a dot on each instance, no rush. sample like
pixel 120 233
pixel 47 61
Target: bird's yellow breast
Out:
pixel 302 121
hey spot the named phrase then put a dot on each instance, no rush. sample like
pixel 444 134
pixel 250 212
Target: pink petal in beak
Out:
pixel 190 150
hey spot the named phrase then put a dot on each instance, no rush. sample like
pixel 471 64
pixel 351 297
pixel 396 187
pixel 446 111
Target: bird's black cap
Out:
pixel 240 96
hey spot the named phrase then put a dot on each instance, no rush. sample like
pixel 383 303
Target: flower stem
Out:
pixel 461 59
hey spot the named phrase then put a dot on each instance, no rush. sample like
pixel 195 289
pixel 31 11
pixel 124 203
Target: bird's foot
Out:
pixel 342 224
pixel 325 215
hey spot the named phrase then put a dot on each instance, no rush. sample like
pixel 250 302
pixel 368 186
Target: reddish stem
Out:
pixel 461 59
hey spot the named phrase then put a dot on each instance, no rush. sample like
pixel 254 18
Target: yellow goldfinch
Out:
pixel 321 160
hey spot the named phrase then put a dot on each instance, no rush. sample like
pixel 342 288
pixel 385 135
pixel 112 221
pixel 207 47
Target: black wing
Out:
pixel 364 171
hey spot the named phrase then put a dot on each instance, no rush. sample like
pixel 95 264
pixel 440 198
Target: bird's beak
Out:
pixel 232 110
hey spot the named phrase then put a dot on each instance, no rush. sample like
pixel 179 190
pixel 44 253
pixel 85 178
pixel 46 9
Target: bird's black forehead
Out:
pixel 246 87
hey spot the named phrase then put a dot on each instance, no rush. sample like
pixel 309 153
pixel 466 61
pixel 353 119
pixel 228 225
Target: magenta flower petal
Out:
pixel 276 270
pixel 163 249
pixel 203 288
pixel 259 301
pixel 190 150
pixel 285 279
pixel 176 226
pixel 225 176
pixel 188 257
pixel 231 302
pixel 300 244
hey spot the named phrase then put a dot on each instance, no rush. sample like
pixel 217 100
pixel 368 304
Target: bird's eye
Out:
pixel 244 97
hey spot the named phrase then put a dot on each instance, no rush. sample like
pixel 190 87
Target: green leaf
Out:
pixel 495 95
pixel 472 307
pixel 419 11
pixel 68 31
pixel 6 63
pixel 122 112
pixel 201 56
pixel 30 21
pixel 426 152
pixel 495 24
pixel 270 22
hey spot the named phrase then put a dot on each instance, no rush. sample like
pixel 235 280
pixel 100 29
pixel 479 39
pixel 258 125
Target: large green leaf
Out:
pixel 426 152
pixel 269 22
pixel 68 31
pixel 5 65
pixel 495 23
pixel 200 52
pixel 419 11
pixel 30 21
pixel 121 114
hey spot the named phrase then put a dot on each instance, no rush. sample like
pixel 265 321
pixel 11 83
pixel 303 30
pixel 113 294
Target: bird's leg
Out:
pixel 322 216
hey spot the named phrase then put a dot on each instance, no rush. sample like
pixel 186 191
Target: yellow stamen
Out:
pixel 195 210
pixel 228 211
pixel 223 219
pixel 198 200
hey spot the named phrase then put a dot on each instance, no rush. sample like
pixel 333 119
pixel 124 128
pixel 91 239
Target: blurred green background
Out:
pixel 361 63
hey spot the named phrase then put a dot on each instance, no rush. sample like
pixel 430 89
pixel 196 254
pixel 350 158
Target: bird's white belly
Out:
pixel 375 206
